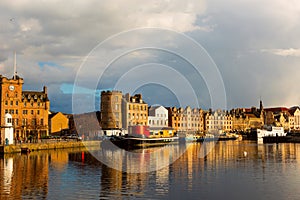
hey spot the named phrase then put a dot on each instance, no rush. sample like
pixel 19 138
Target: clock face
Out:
pixel 11 87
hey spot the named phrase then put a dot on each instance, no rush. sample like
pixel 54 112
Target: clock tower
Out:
pixel 10 96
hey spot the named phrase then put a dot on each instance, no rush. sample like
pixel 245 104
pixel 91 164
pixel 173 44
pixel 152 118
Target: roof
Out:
pixel 277 109
pixel 34 95
pixel 293 109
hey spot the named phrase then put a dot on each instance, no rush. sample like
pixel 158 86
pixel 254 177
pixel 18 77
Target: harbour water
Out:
pixel 231 170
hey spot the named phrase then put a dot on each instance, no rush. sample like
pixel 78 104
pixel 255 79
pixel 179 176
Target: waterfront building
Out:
pixel 58 123
pixel 182 120
pixel 239 120
pixel 29 109
pixel 294 120
pixel 218 121
pixel 278 116
pixel 8 130
pixel 120 111
pixel 158 116
pixel 134 111
pixel 86 125
pixel 111 110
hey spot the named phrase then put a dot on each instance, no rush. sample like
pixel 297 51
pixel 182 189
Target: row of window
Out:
pixel 158 122
pixel 187 125
pixel 219 122
pixel 15 122
pixel 25 103
pixel 137 107
pixel 25 112
pixel 185 118
pixel 216 127
pixel 137 116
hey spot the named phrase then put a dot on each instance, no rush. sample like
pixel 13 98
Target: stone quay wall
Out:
pixel 47 145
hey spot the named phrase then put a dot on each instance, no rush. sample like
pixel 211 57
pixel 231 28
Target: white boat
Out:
pixel 269 132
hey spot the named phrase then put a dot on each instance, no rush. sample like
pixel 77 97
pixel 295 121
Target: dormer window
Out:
pixel 29 96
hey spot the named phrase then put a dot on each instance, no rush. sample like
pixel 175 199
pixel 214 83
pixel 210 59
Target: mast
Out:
pixel 15 66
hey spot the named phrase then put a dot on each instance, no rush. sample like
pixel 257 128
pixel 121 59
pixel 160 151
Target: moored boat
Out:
pixel 136 142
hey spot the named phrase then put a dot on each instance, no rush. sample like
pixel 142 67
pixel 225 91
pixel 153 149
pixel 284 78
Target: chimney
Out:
pixel 45 90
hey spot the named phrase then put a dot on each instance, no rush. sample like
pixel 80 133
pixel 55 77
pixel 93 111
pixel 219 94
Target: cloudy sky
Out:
pixel 255 46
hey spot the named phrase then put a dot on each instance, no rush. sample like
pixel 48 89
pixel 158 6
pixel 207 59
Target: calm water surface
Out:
pixel 231 170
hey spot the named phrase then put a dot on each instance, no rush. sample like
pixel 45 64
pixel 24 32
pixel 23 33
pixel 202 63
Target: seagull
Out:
pixel 12 19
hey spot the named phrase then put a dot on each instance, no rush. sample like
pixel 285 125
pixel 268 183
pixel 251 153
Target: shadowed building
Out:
pixel 111 109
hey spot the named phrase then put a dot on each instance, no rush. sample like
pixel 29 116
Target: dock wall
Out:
pixel 45 146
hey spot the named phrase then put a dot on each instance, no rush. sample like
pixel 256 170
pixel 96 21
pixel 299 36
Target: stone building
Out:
pixel 187 119
pixel 120 111
pixel 135 110
pixel 58 123
pixel 294 120
pixel 218 121
pixel 29 109
pixel 111 110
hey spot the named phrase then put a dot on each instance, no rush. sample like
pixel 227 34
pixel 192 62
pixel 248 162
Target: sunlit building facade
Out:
pixel 29 109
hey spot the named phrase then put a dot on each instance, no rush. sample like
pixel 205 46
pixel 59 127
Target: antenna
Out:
pixel 15 66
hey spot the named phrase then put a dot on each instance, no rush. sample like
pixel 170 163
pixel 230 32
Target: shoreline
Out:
pixel 9 149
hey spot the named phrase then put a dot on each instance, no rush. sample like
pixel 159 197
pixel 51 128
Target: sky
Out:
pixel 201 53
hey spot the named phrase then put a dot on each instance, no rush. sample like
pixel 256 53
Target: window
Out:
pixel 9 120
pixel 32 112
pixel 25 112
pixel 33 122
pixel 17 103
pixel 11 103
pixel 39 104
pixel 6 111
pixel 6 103
pixel 24 122
pixel 31 103
pixel 24 103
pixel 38 112
pixel 42 122
pixel 12 111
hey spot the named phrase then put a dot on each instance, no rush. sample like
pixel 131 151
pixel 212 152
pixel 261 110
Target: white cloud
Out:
pixel 64 32
pixel 283 52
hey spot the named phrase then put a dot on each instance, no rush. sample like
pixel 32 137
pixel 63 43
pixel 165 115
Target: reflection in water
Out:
pixel 265 171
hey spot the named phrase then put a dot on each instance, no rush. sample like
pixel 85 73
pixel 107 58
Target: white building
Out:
pixel 158 116
pixel 8 130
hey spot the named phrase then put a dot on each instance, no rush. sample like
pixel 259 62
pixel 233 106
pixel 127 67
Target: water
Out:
pixel 232 170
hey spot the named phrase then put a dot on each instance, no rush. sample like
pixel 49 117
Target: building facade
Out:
pixel 58 123
pixel 29 109
pixel 158 116
pixel 218 121
pixel 135 110
pixel 188 119
pixel 111 110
